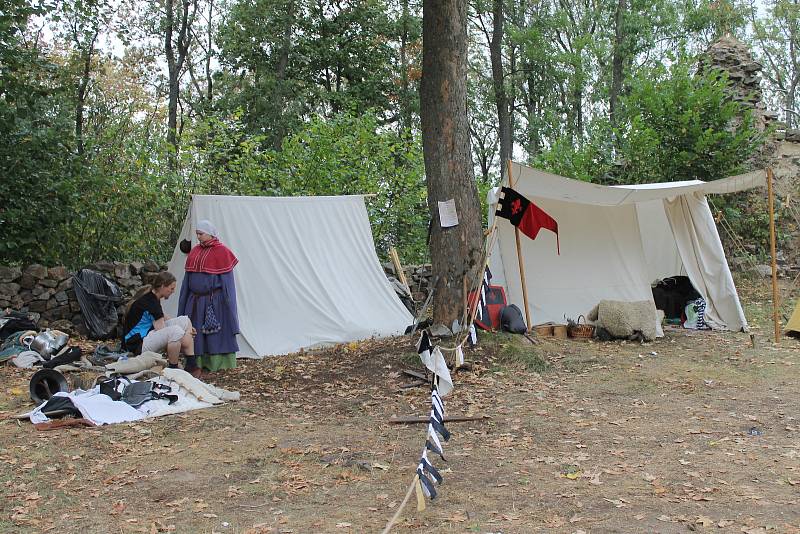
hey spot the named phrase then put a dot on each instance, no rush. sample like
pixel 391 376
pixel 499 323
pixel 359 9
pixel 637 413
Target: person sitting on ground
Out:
pixel 145 322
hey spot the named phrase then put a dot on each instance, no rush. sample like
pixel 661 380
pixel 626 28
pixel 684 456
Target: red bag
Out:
pixel 494 303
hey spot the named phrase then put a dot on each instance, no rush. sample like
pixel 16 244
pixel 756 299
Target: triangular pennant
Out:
pixel 428 468
pixel 433 448
pixel 460 354
pixel 420 494
pixel 427 485
pixel 473 335
pixel 439 428
pixel 432 435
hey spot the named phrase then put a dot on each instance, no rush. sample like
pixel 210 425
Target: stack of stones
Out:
pixel 744 72
pixel 417 276
pixel 48 291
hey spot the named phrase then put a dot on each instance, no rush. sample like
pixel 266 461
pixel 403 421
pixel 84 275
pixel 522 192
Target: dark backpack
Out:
pixel 132 344
pixel 511 320
pixel 15 322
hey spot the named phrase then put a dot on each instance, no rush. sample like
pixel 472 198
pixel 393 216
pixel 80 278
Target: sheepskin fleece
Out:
pixel 623 319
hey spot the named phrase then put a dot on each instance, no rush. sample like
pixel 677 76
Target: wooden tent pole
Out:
pixel 775 303
pixel 520 261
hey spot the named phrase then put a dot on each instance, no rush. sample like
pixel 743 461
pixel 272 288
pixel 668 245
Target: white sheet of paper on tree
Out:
pixel 447 213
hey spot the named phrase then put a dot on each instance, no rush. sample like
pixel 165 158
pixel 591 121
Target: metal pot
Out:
pixel 45 382
pixel 49 342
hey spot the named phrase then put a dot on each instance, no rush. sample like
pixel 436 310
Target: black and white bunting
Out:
pixel 482 313
pixel 427 474
pixel 473 336
pixel 434 361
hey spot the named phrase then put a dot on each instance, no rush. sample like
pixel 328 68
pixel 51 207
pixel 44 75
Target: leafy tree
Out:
pixel 677 126
pixel 778 36
pixel 682 126
pixel 36 160
pixel 289 60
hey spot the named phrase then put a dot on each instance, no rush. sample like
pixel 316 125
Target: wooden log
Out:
pixel 415 374
pixel 413 384
pixel 452 419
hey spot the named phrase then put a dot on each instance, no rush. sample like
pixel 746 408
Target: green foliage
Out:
pixel 37 170
pixel 321 98
pixel 288 61
pixel 675 126
pixel 351 155
pixel 778 36
pixel 683 127
pixel 743 219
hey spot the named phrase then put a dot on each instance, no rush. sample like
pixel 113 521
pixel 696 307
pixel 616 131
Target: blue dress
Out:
pixel 209 300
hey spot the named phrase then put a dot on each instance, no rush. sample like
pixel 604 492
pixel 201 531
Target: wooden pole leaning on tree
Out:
pixel 775 303
pixel 520 261
pixel 398 267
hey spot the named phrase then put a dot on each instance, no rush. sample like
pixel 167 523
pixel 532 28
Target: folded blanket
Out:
pixel 201 390
pixel 146 360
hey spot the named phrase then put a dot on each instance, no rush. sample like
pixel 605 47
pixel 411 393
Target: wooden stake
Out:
pixel 398 268
pixel 775 303
pixel 521 264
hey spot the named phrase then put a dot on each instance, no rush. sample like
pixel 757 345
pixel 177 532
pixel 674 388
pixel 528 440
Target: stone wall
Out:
pixel 417 276
pixel 48 290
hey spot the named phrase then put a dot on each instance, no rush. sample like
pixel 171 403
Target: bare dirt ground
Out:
pixel 695 432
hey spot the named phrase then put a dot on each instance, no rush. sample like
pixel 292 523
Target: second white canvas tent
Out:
pixel 308 274
pixel 615 241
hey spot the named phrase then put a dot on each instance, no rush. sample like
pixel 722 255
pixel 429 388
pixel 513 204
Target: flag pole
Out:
pixel 772 251
pixel 520 261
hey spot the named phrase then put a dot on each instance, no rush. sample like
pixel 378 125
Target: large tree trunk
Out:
pixel 175 64
pixel 498 81
pixel 280 75
pixel 405 123
pixel 83 84
pixel 455 251
pixel 617 70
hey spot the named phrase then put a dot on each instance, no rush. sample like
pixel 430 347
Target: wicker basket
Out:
pixel 579 330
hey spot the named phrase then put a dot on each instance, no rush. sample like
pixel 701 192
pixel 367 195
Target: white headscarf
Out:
pixel 206 227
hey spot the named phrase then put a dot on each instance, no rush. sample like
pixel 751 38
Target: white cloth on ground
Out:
pixel 95 407
pixel 26 359
pixel 100 409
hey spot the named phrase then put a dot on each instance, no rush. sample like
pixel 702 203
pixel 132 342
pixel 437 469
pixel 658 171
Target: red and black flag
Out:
pixel 525 215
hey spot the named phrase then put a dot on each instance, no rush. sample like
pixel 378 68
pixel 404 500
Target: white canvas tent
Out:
pixel 615 241
pixel 308 274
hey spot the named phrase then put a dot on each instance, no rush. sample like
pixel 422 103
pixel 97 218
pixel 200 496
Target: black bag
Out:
pixel 138 393
pixel 119 388
pixel 132 344
pixel 511 320
pixel 15 322
pixel 111 387
pixel 98 298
